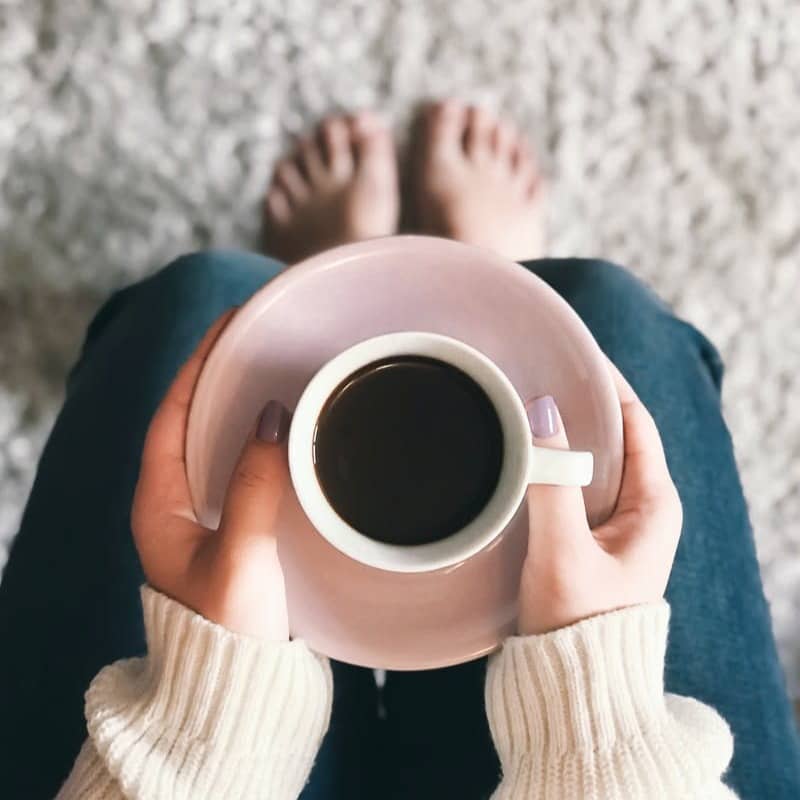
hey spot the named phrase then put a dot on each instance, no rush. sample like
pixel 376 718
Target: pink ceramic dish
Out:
pixel 319 307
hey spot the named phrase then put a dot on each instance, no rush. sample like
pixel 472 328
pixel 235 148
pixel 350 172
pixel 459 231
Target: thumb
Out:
pixel 260 479
pixel 556 514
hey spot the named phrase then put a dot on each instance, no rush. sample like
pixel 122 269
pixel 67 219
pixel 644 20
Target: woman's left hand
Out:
pixel 230 576
pixel 573 572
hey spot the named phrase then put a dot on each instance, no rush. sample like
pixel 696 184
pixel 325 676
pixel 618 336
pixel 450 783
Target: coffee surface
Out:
pixel 408 450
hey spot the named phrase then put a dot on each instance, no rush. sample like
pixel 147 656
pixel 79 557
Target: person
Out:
pixel 193 690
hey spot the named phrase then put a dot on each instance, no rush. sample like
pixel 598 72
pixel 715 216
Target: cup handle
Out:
pixel 560 467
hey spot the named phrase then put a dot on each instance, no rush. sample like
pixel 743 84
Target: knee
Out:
pixel 202 284
pixel 609 298
pixel 611 277
pixel 205 271
pixel 589 284
pixel 628 319
pixel 191 291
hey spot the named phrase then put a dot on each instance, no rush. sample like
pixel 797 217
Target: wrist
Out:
pixel 256 609
pixel 246 596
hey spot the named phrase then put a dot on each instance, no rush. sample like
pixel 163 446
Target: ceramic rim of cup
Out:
pixel 478 533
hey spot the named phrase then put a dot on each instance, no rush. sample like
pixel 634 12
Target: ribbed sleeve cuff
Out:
pixel 580 688
pixel 209 713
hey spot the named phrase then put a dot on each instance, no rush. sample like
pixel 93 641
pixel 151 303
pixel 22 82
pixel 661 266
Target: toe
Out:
pixel 278 208
pixel 444 128
pixel 536 190
pixel 290 181
pixel 365 126
pixel 523 163
pixel 478 135
pixel 372 143
pixel 503 138
pixel 334 134
pixel 311 161
pixel 521 153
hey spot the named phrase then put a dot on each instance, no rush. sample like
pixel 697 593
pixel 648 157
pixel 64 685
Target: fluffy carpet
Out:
pixel 132 130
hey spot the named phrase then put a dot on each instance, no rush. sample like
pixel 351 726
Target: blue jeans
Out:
pixel 69 600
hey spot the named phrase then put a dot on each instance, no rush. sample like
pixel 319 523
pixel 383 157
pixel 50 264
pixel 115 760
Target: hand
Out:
pixel 572 572
pixel 231 576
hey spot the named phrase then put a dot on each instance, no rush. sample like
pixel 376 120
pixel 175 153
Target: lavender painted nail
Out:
pixel 543 416
pixel 274 422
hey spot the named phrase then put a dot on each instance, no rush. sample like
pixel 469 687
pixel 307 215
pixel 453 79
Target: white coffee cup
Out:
pixel 523 463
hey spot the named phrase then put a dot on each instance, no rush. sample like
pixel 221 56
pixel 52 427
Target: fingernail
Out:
pixel 543 416
pixel 274 422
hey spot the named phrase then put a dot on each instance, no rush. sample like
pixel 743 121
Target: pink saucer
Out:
pixel 315 309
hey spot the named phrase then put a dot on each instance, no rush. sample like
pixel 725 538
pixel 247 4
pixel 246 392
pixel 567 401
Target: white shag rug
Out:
pixel 133 130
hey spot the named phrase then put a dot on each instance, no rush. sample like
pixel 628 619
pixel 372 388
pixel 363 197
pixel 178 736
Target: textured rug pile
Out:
pixel 132 130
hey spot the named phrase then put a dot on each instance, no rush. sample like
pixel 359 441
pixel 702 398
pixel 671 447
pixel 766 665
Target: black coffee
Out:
pixel 408 449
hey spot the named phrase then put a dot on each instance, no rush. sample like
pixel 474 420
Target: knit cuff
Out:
pixel 213 709
pixel 581 688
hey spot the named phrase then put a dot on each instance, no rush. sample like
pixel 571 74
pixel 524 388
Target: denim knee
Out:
pixel 185 296
pixel 191 281
pixel 200 286
pixel 629 320
pixel 601 283
pixel 204 271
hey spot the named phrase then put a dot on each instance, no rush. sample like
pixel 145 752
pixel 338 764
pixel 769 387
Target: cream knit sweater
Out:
pixel 579 713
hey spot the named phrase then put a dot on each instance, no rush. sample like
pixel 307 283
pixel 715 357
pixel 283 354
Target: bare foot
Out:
pixel 474 179
pixel 339 186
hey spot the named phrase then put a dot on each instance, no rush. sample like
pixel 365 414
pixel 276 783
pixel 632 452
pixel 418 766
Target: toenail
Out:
pixel 368 121
pixel 369 125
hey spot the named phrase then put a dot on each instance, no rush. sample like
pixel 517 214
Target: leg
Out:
pixel 437 741
pixel 69 598
pixel 721 650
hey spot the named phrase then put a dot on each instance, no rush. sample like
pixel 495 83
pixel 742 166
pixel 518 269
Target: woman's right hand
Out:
pixel 230 576
pixel 572 572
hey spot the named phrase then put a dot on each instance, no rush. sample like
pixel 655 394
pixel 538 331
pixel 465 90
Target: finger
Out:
pixel 556 514
pixel 259 481
pixel 163 488
pixel 645 474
